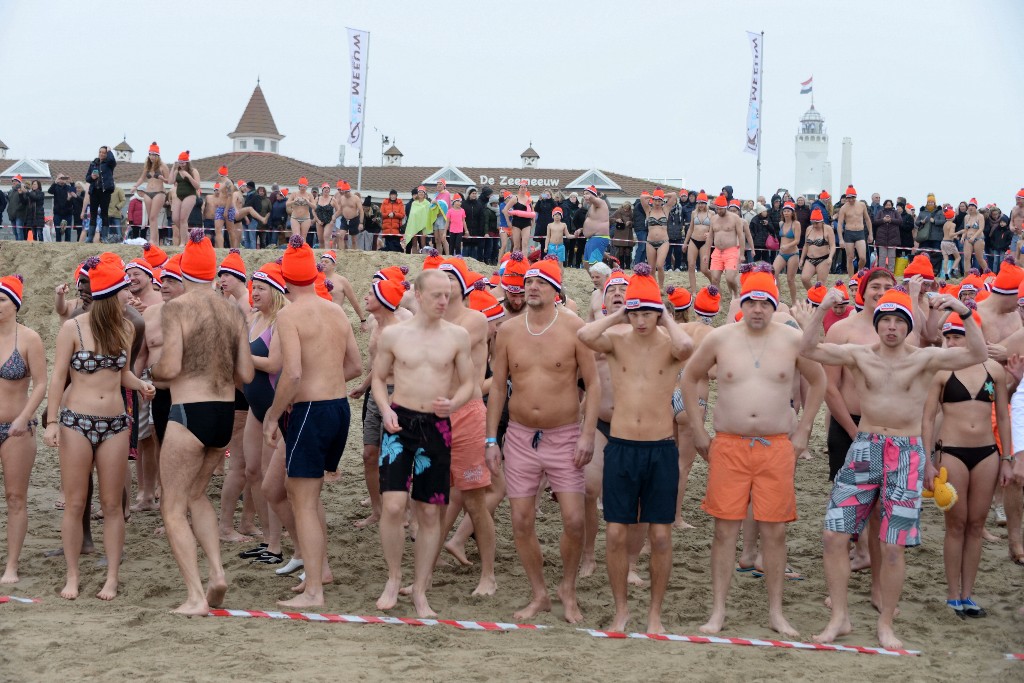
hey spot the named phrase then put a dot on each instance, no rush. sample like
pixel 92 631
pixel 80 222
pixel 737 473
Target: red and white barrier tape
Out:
pixel 350 619
pixel 12 598
pixel 1018 656
pixel 715 640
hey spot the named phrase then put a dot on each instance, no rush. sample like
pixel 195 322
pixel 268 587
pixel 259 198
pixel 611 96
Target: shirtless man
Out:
pixel 1017 223
pixel 844 405
pixel 348 207
pixel 727 236
pixel 513 283
pixel 205 354
pixel 310 329
pixel 855 229
pixel 383 303
pixel 614 290
pixel 641 463
pixel 300 209
pixel 595 228
pixel 342 287
pixel 752 459
pixel 599 274
pixel 417 442
pixel 886 462
pixel 1001 326
pixel 540 353
pixel 469 472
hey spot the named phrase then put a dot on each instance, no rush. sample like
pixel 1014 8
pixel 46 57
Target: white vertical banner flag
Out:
pixel 358 46
pixel 754 108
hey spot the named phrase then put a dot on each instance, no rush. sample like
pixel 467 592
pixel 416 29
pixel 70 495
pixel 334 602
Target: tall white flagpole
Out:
pixel 362 136
pixel 760 119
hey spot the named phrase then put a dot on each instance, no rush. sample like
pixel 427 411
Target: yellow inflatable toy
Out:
pixel 944 494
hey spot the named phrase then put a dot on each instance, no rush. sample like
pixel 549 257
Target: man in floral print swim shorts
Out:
pixel 432 379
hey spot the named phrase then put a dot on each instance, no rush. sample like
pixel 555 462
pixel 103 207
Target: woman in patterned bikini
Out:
pixel 89 424
pixel 25 362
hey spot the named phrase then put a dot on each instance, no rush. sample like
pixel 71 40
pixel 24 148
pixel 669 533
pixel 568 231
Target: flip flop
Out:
pixel 791 574
pixel 745 570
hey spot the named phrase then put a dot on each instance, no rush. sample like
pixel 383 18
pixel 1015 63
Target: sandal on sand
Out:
pixel 744 570
pixel 253 552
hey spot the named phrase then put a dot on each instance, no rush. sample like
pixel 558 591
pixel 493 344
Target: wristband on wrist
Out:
pixel 1008 458
pixel 490 441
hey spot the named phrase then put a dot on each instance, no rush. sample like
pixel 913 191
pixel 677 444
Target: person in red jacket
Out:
pixel 135 213
pixel 392 212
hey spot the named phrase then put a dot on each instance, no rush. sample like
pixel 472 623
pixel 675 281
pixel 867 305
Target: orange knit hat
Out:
pixel 896 301
pixel 707 302
pixel 154 255
pixel 643 293
pixel 154 148
pixel 548 270
pixel 198 261
pixel 482 300
pixel 172 269
pixel 298 265
pixel 617 277
pixel 824 195
pixel 760 286
pixel 457 267
pixel 322 286
pixel 13 286
pixel 850 192
pixel 921 265
pixel 330 253
pixel 817 216
pixel 955 324
pixel 392 273
pixel 233 265
pixel 721 201
pixel 433 260
pixel 222 171
pixel 107 276
pixel 513 279
pixel 140 264
pixel 390 292
pixel 1009 277
pixel 270 273
pixel 680 297
pixel 841 286
pixel 702 197
pixel 816 294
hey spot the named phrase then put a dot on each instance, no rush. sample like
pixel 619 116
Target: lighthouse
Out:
pixel 813 170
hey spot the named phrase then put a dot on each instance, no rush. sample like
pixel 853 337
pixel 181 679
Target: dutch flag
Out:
pixel 807 86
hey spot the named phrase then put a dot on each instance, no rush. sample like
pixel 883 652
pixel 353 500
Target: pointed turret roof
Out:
pixel 123 146
pixel 256 119
pixel 530 153
pixel 3 146
pixel 393 152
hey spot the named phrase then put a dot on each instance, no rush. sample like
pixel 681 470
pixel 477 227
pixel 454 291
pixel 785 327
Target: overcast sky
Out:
pixel 929 91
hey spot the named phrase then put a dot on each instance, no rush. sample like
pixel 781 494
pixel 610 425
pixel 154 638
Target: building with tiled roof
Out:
pixel 255 156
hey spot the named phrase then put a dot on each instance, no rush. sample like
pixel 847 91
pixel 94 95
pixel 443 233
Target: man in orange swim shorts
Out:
pixel 749 461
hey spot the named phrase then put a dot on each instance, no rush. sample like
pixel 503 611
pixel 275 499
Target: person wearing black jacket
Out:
pixel 540 225
pixel 761 227
pixel 574 246
pixel 997 237
pixel 63 211
pixel 35 213
pixel 640 230
pixel 802 214
pixel 489 224
pixel 100 177
pixel 16 202
pixel 907 229
pixel 473 247
pixel 775 211
pixel 677 223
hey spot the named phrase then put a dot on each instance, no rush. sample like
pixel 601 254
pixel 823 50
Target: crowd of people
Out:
pixel 513 389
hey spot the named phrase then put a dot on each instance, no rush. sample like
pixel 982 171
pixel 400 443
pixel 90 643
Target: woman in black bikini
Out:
pixel 186 188
pixel 819 250
pixel 154 175
pixel 695 242
pixel 89 424
pixel 965 446
pixel 657 230
pixel 324 212
pixel 23 363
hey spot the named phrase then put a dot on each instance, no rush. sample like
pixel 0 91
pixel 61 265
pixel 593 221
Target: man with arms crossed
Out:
pixel 749 460
pixel 887 459
pixel 854 229
pixel 641 463
pixel 205 355
pixel 540 353
pixel 310 330
pixel 416 448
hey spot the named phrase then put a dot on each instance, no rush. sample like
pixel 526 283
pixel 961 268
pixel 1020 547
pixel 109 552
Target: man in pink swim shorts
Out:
pixel 727 236
pixel 540 353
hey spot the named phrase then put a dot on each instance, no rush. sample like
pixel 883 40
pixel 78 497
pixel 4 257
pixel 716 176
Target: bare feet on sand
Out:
pixel 887 638
pixel 835 628
pixel 859 564
pixel 326 578
pixel 681 524
pixel 369 521
pixel 87 549
pixel 567 596
pixel 145 506
pixel 714 624
pixel 619 623
pixel 422 607
pixel 215 591
pixel 197 608
pixel 332 477
pixel 109 590
pixel 588 565
pixel 654 625
pixel 232 536
pixel 487 586
pixel 70 590
pixel 160 531
pixel 778 623
pixel 458 552
pixel 536 606
pixel 10 576
pixel 253 531
pixel 389 597
pixel 633 579
pixel 302 601
pixel 365 502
